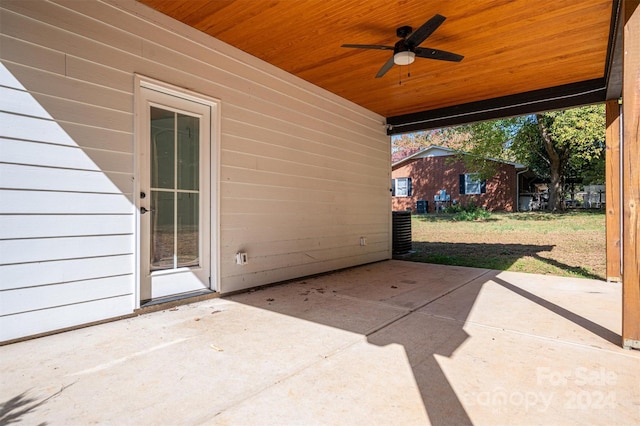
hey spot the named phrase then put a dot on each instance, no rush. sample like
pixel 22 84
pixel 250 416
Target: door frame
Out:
pixel 143 82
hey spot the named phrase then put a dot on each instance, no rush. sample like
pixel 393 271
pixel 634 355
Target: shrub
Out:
pixel 455 208
pixel 478 214
pixel 469 212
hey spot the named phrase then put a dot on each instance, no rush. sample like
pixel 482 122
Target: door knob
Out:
pixel 144 210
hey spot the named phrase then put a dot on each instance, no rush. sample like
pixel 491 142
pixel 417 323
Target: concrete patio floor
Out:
pixel 390 343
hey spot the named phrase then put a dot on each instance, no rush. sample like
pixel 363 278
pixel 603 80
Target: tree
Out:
pixel 556 145
pixel 409 143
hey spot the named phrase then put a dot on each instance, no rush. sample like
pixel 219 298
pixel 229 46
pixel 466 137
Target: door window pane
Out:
pixel 188 144
pixel 188 229
pixel 162 230
pixel 162 148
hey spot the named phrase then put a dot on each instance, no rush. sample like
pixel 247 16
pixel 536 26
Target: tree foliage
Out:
pixel 485 141
pixel 563 144
pixel 409 143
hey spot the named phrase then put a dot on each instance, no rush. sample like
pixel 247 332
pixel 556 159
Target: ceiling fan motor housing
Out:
pixel 401 46
pixel 404 31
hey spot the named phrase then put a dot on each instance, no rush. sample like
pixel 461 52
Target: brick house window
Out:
pixel 401 187
pixel 470 184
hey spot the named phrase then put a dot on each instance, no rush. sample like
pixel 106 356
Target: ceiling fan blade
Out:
pixel 441 55
pixel 367 46
pixel 421 34
pixel 386 67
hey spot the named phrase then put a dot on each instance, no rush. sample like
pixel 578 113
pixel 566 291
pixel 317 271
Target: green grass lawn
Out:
pixel 566 244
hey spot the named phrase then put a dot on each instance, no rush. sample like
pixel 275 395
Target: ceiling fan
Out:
pixel 406 49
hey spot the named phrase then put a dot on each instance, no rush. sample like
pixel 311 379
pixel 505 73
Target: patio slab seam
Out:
pixel 381 303
pixel 428 302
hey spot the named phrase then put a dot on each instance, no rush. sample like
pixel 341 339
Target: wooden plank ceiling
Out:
pixel 509 46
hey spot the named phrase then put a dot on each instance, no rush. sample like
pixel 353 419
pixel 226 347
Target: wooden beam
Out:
pixel 558 97
pixel 613 69
pixel 613 188
pixel 631 176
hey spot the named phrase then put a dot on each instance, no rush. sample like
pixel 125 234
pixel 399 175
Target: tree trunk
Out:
pixel 556 165
pixel 555 190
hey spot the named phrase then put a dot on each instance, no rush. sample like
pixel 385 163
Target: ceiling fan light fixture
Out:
pixel 404 58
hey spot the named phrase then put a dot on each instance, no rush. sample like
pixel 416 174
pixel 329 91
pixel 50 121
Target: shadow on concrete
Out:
pixel 578 320
pixel 423 336
pixel 440 400
pixel 14 409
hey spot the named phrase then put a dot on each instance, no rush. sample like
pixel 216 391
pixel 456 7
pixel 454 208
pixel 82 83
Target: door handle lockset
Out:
pixel 144 210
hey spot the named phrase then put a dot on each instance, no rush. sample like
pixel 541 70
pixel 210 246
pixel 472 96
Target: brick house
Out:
pixel 423 175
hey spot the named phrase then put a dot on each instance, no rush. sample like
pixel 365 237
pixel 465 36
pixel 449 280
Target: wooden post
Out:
pixel 631 175
pixel 613 189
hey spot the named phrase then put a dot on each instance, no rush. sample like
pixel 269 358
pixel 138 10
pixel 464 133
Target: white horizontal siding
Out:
pixel 291 232
pixel 64 156
pixel 20 102
pixel 95 31
pixel 88 114
pixel 48 202
pixel 26 53
pixel 306 128
pixel 63 225
pixel 297 267
pixel 47 249
pixel 18 176
pixel 32 129
pixel 313 248
pixel 57 85
pixel 303 174
pixel 329 172
pixel 58 317
pixel 275 142
pixel 66 180
pixel 49 296
pixel 24 275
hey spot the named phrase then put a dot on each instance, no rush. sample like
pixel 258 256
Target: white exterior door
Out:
pixel 174 199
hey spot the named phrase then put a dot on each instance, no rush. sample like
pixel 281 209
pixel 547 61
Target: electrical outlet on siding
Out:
pixel 242 258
